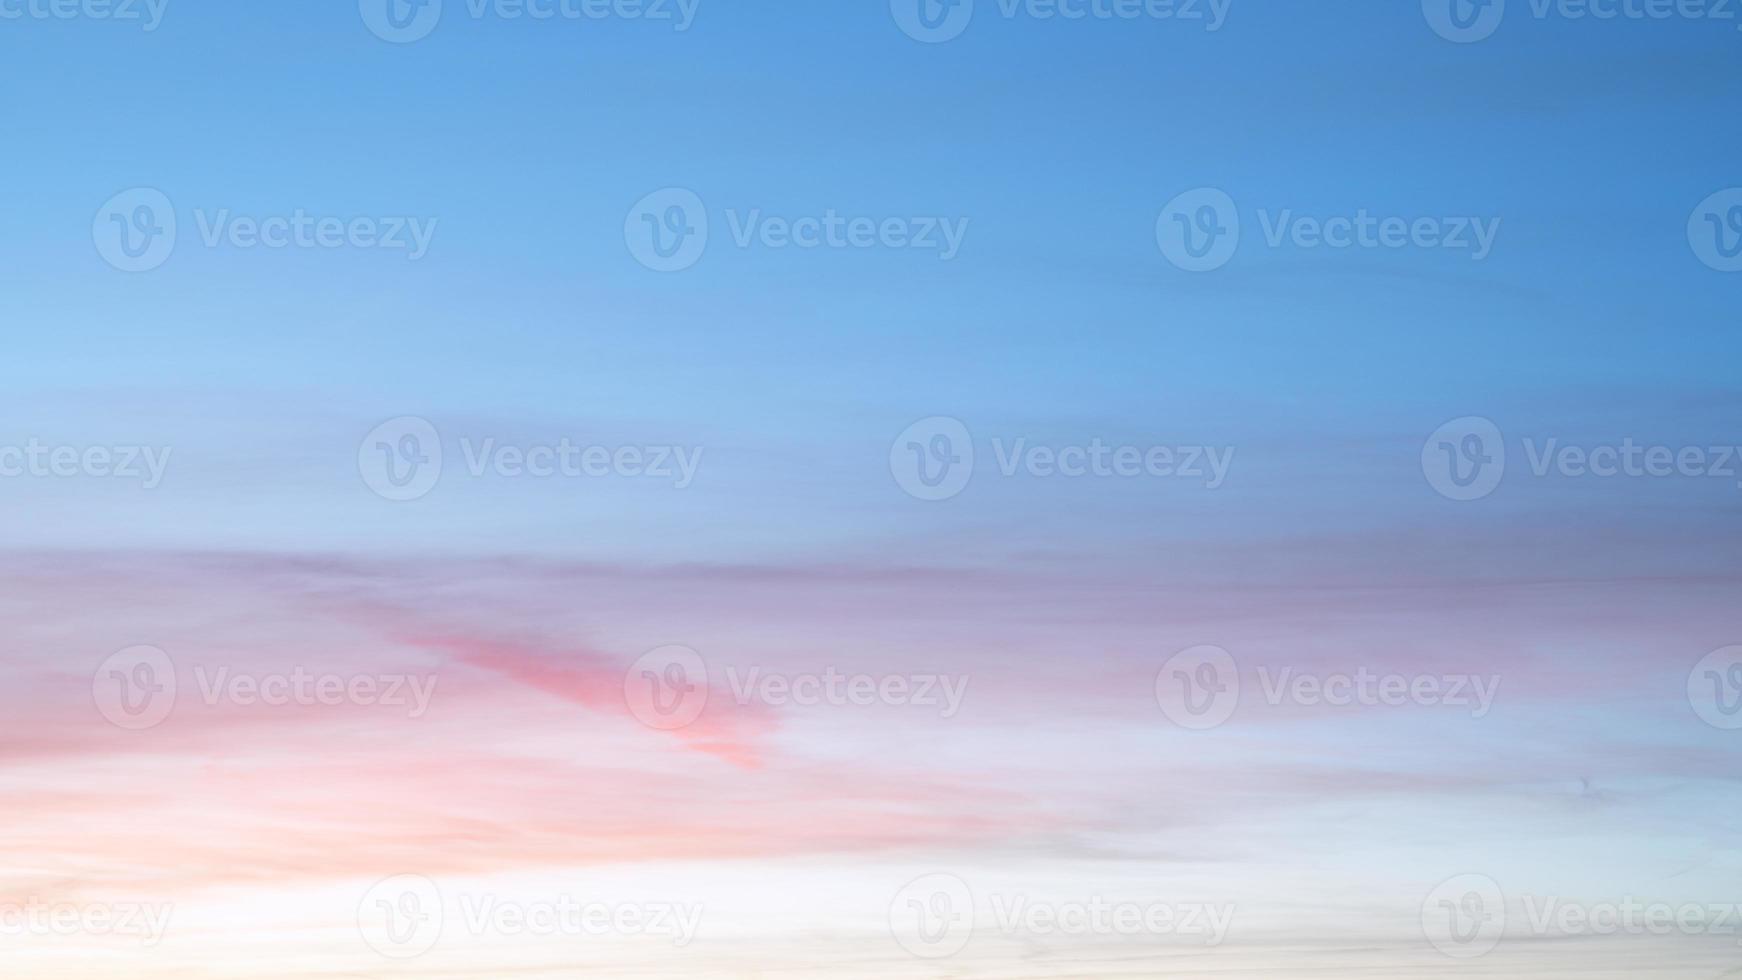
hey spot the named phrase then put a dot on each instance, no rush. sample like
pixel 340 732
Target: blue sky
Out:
pixel 820 388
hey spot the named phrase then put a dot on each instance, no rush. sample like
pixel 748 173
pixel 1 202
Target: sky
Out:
pixel 993 489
